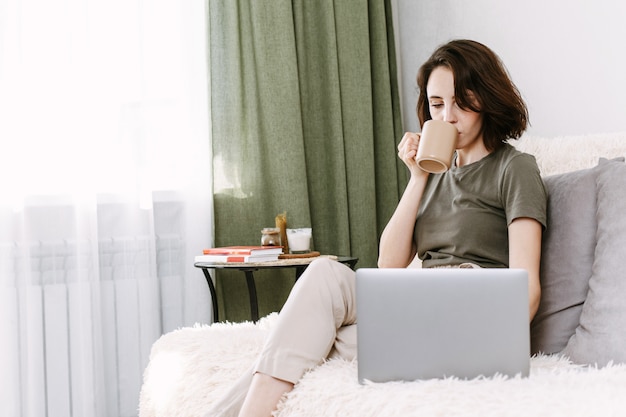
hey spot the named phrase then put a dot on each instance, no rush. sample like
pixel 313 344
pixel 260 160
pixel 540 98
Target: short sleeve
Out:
pixel 523 192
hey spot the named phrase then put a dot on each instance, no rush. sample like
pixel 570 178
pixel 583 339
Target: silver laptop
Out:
pixel 435 323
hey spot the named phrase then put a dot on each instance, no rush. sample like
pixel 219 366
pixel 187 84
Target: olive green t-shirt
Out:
pixel 465 212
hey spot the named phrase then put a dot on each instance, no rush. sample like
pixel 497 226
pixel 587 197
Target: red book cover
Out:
pixel 244 250
pixel 236 258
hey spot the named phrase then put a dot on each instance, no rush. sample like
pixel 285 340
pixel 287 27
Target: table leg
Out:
pixel 352 263
pixel 213 295
pixel 299 270
pixel 254 306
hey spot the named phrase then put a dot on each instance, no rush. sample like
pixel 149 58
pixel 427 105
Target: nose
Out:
pixel 450 114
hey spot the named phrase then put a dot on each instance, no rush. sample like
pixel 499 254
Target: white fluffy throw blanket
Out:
pixel 570 153
pixel 190 368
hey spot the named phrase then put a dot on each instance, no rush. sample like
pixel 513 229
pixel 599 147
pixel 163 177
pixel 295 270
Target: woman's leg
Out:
pixel 306 331
pixel 264 394
pixel 321 302
pixel 266 391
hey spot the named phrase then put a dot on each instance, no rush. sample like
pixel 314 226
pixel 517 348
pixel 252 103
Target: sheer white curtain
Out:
pixel 105 196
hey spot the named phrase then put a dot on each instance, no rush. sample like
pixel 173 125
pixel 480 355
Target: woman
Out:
pixel 488 210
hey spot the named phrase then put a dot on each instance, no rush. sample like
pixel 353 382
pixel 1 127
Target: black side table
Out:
pixel 300 264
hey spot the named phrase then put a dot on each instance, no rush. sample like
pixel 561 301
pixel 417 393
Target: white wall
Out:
pixel 567 57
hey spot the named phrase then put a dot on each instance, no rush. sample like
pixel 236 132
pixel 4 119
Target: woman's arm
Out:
pixel 525 253
pixel 397 248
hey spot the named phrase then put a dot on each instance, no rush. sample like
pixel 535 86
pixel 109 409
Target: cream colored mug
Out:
pixel 436 147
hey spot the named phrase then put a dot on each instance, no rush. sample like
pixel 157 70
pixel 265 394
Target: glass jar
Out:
pixel 270 236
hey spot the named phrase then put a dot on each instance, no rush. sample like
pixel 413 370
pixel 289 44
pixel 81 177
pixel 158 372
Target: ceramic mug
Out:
pixel 436 147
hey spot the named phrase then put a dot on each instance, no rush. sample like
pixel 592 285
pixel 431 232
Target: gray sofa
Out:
pixel 578 336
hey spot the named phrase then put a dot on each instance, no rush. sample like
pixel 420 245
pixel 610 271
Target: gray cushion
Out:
pixel 567 258
pixel 601 335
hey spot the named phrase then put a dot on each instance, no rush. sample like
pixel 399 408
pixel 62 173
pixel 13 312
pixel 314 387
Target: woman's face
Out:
pixel 443 106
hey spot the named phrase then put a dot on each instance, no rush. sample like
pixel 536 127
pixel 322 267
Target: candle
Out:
pixel 299 240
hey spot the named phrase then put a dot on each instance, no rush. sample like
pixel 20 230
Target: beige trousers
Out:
pixel 318 321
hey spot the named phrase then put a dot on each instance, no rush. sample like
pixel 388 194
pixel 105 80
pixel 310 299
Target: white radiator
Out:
pixel 77 321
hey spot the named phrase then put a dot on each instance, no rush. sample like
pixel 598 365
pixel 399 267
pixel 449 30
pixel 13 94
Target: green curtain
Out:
pixel 305 120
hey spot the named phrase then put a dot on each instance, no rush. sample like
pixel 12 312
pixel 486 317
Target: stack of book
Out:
pixel 240 254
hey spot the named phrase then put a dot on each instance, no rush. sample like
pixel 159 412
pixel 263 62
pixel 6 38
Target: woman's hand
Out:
pixel 407 150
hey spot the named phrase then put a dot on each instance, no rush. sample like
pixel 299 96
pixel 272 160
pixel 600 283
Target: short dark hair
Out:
pixel 477 69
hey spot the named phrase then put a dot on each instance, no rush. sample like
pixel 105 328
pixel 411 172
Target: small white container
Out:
pixel 299 240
